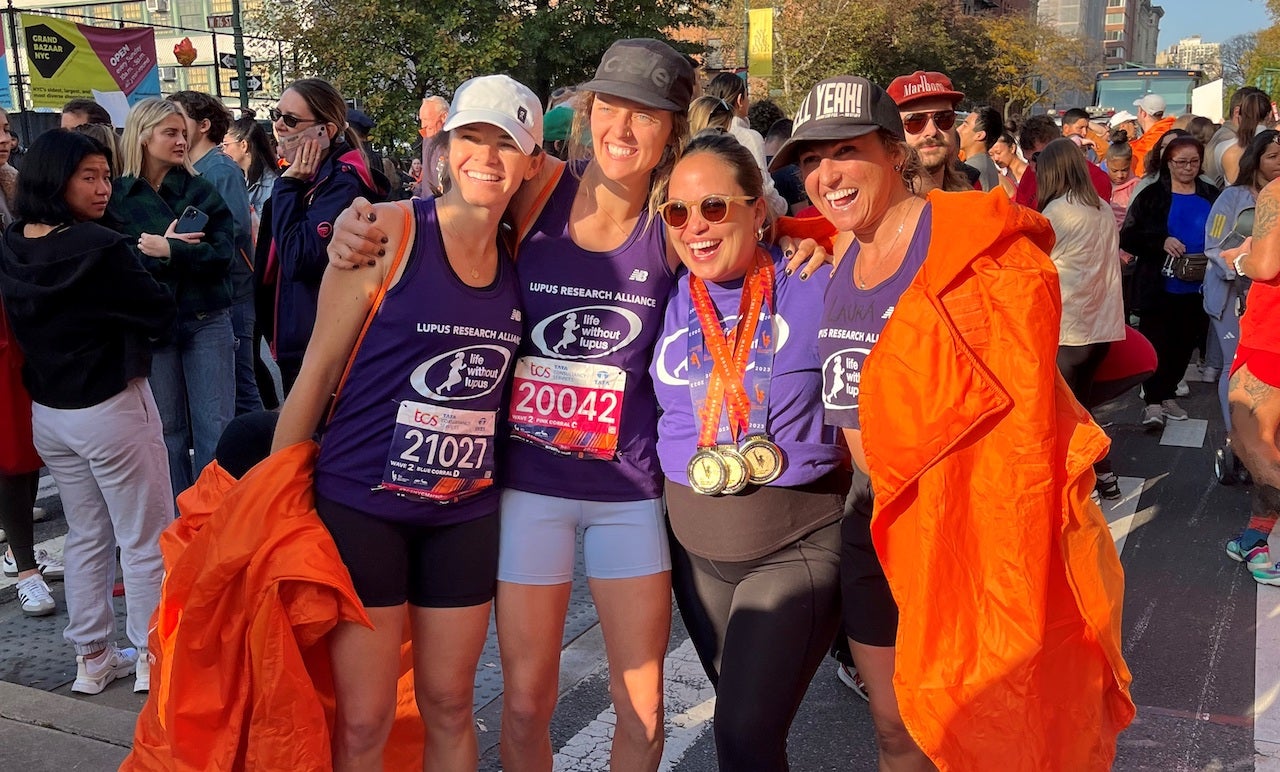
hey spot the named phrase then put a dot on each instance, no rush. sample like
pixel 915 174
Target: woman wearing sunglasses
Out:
pixel 755 483
pixel 326 171
pixel 937 346
pixel 1165 223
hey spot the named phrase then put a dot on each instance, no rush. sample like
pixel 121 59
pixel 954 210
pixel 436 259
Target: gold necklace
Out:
pixel 448 226
pixel 605 212
pixel 857 263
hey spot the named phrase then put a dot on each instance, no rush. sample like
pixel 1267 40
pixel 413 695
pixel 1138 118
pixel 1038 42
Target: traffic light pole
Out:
pixel 242 72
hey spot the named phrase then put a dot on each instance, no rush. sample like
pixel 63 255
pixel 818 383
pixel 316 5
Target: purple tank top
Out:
pixel 794 421
pixel 852 320
pixel 582 407
pixel 413 433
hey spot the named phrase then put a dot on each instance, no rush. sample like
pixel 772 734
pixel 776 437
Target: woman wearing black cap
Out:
pixel 981 599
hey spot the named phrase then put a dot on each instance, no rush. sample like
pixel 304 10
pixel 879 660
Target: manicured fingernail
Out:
pixel 373 217
pixel 384 239
pixel 372 263
pixel 382 253
pixel 788 252
pixel 787 271
pixel 804 275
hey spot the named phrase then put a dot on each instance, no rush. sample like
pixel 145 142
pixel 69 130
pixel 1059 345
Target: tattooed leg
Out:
pixel 1255 417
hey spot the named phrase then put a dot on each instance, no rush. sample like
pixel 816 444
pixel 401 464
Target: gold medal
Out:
pixel 764 459
pixel 736 466
pixel 707 471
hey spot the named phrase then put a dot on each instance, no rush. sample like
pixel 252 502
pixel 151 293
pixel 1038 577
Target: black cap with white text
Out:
pixel 843 107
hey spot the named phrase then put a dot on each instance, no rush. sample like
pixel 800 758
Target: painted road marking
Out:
pixel 1122 514
pixel 1185 434
pixel 690 703
pixel 1266 681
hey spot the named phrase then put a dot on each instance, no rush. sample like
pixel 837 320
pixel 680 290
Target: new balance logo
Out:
pixel 639 275
pixel 515 314
pixel 888 312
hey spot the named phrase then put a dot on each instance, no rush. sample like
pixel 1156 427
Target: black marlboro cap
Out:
pixel 843 107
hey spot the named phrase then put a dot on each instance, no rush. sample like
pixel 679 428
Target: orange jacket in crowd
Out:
pixel 1007 579
pixel 1142 145
pixel 253 583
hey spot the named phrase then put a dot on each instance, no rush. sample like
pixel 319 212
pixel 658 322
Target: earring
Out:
pixel 897 167
pixel 760 233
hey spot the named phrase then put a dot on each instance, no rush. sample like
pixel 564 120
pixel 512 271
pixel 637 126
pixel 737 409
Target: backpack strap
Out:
pixel 406 245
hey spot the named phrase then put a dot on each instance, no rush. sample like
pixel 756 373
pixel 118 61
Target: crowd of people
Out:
pixel 784 368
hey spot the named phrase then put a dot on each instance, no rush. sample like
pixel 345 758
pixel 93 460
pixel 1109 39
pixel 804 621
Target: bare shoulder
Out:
pixel 1267 214
pixel 527 196
pixel 391 219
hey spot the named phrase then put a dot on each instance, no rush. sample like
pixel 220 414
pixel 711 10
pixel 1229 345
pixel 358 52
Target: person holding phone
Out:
pixel 194 376
pixel 326 171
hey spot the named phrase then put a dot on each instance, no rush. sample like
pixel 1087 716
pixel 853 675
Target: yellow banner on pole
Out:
pixel 760 43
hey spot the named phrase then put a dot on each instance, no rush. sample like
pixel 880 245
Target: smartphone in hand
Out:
pixel 192 220
pixel 290 145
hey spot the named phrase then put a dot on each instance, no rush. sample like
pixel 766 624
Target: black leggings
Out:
pixel 17 497
pixel 1176 326
pixel 761 628
pixel 1079 365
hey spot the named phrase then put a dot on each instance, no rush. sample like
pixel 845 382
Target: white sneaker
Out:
pixel 1172 410
pixel 1210 374
pixel 93 675
pixel 35 597
pixel 142 677
pixel 50 566
pixel 1183 389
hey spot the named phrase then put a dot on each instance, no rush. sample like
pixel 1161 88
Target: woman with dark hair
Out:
pixel 1004 152
pixel 193 377
pixel 327 171
pixel 1165 231
pixel 85 313
pixel 1084 252
pixel 1152 162
pixel 768 541
pixel 1256 115
pixel 248 145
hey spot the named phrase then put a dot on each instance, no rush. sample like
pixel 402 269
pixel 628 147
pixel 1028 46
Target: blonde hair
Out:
pixel 581 146
pixel 708 112
pixel 138 127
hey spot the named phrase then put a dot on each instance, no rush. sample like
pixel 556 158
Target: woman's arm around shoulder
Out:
pixel 346 297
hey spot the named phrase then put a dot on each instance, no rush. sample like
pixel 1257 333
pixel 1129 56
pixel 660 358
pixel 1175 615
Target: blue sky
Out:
pixel 1183 18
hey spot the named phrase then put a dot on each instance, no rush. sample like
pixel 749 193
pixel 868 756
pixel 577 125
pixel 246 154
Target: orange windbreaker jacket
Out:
pixel 253 583
pixel 1143 145
pixel 1008 582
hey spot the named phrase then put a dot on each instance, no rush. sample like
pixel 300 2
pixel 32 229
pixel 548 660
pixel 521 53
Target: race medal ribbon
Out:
pixel 440 454
pixel 720 389
pixel 572 408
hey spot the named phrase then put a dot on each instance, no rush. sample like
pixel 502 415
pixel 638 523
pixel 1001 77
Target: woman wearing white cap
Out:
pixel 405 479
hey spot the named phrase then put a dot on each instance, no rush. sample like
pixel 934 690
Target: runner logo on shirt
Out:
pixel 842 378
pixel 464 373
pixel 587 332
pixel 673 352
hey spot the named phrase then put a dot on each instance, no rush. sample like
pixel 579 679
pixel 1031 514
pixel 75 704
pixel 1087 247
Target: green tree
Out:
pixel 1032 63
pixel 391 53
pixel 877 39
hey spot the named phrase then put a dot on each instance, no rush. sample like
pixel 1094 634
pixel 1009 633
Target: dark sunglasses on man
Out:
pixel 914 123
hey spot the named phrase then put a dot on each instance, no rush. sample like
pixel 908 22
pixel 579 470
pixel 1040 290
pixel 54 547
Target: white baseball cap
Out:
pixel 1123 116
pixel 498 100
pixel 1152 103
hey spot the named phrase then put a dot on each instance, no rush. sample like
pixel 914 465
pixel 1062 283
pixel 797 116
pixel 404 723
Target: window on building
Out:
pixel 220 6
pixel 99 12
pixel 1115 18
pixel 197 79
pixel 131 11
pixel 1115 3
pixel 1114 35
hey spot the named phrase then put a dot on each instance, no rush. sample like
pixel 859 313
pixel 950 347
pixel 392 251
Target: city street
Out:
pixel 1202 640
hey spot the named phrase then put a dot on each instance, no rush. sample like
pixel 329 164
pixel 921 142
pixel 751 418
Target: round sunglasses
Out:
pixel 291 121
pixel 914 123
pixel 713 209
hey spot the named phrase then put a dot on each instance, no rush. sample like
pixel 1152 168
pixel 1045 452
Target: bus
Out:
pixel 1116 90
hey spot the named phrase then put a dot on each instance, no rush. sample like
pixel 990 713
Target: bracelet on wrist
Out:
pixel 1236 263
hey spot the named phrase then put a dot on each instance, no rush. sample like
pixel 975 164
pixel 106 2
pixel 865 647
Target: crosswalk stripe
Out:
pixel 690 703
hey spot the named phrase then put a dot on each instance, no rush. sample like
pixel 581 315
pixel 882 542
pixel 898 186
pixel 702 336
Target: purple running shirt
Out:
pixel 582 410
pixel 414 431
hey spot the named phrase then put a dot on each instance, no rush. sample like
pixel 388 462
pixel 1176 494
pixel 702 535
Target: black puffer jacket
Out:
pixel 1145 228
